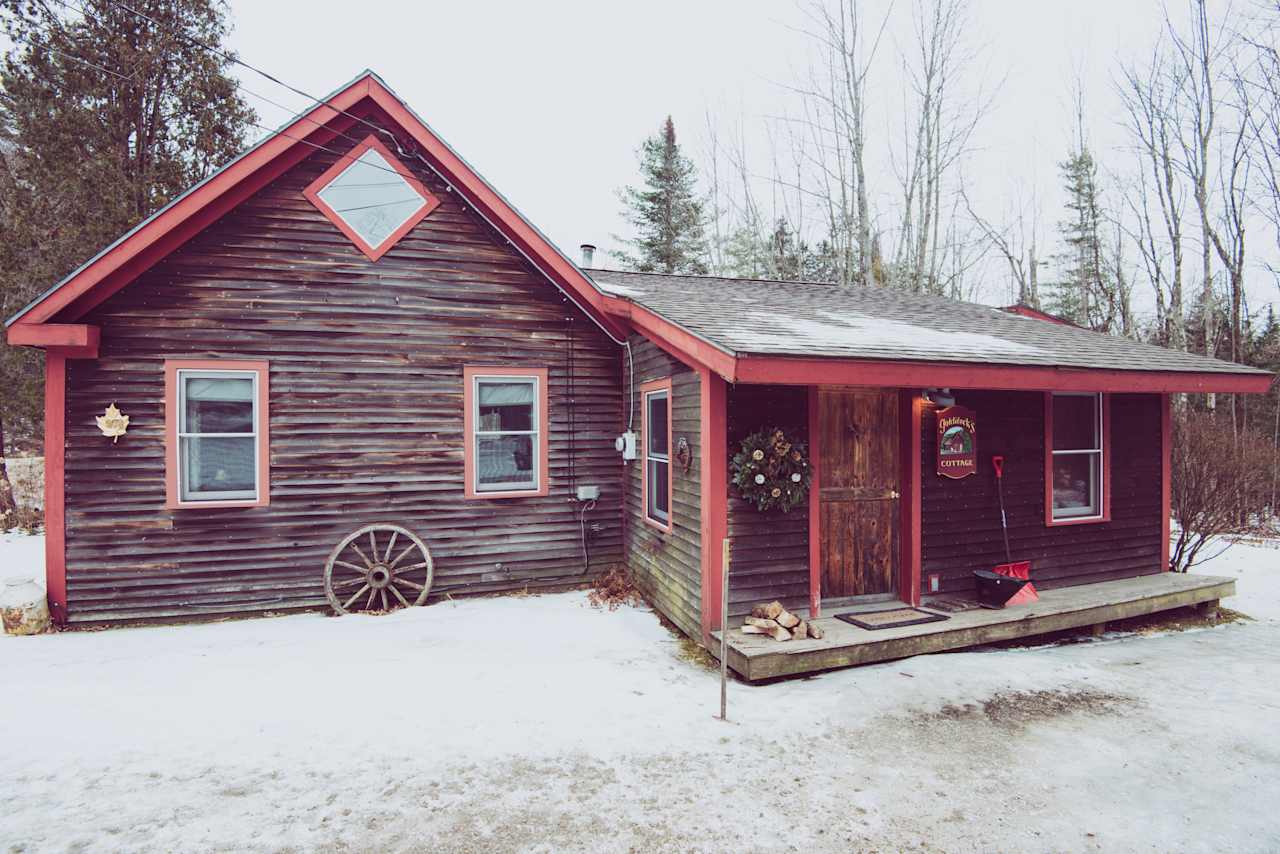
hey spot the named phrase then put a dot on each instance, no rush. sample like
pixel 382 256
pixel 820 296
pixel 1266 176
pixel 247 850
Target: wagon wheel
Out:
pixel 378 568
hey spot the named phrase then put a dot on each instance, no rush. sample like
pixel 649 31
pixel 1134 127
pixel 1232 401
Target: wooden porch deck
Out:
pixel 756 658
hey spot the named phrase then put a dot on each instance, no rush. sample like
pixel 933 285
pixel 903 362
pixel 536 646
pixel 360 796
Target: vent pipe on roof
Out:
pixel 588 254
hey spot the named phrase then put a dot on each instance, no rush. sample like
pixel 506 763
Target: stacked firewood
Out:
pixel 777 622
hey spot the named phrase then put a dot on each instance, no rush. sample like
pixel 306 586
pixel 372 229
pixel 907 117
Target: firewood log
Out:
pixel 772 610
pixel 787 620
pixel 801 631
pixel 758 611
pixel 760 622
pixel 754 630
pixel 816 631
pixel 780 634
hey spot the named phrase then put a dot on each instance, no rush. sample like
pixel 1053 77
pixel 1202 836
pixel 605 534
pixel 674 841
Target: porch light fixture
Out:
pixel 940 397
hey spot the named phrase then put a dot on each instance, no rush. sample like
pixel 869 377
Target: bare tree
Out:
pixel 1148 93
pixel 1014 240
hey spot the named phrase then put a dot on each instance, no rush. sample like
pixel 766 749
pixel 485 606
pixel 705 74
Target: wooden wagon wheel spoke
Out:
pixel 401 556
pixel 363 557
pixel 384 582
pixel 395 590
pixel 350 601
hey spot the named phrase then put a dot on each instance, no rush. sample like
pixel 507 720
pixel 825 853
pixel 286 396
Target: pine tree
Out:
pixel 666 212
pixel 1078 294
pixel 104 117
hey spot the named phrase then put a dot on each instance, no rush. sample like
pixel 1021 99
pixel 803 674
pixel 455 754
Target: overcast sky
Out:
pixel 550 100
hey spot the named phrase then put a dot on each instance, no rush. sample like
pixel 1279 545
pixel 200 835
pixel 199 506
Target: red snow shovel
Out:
pixel 1020 569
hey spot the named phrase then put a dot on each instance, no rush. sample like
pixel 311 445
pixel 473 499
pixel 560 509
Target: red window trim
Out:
pixel 1049 520
pixel 645 390
pixel 469 373
pixel 373 253
pixel 172 496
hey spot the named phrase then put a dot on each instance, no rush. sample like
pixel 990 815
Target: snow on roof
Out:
pixel 768 317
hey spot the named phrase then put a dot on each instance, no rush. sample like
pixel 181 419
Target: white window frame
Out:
pixel 189 496
pixel 653 513
pixel 1098 499
pixel 511 487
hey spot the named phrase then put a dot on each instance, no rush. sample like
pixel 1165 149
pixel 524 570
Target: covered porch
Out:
pixel 757 658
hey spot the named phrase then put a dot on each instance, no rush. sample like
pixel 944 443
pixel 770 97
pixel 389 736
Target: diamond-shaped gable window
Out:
pixel 371 197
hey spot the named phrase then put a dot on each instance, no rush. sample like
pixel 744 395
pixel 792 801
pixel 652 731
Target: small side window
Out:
pixel 657 454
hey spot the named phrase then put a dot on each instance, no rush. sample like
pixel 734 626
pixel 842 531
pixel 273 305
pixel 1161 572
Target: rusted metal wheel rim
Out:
pixel 379 567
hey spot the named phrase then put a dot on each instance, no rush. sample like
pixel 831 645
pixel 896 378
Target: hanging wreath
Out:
pixel 771 471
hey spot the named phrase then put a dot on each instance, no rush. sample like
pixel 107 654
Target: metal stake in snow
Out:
pixel 724 632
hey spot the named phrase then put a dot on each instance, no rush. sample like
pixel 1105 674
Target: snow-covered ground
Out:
pixel 542 724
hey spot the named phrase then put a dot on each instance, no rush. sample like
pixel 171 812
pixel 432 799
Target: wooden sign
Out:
pixel 957 442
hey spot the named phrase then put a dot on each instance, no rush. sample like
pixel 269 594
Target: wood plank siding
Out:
pixel 961 518
pixel 667 565
pixel 769 552
pixel 366 400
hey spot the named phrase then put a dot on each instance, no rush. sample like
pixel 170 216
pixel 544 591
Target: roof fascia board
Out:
pixel 865 372
pixel 680 343
pixel 75 335
pixel 164 231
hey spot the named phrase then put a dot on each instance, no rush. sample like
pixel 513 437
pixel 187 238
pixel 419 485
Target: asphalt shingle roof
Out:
pixel 762 317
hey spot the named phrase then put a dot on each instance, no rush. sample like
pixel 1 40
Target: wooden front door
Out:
pixel 858 495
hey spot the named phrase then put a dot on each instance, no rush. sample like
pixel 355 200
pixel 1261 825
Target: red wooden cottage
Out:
pixel 348 326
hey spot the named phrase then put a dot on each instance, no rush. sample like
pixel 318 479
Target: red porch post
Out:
pixel 714 486
pixel 1166 483
pixel 55 434
pixel 911 408
pixel 815 509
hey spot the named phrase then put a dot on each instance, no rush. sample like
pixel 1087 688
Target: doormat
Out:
pixel 891 619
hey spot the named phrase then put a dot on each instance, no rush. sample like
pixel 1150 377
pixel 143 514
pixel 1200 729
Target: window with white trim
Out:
pixel 657 457
pixel 506 441
pixel 1076 456
pixel 218 430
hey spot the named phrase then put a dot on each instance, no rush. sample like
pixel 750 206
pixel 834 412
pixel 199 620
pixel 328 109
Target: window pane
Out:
pixel 372 198
pixel 1074 422
pixel 659 474
pixel 218 465
pixel 1075 485
pixel 505 405
pixel 218 405
pixel 504 462
pixel 657 439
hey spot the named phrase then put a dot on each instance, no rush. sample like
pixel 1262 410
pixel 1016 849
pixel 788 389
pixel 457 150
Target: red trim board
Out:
pixel 660 385
pixel 373 253
pixel 911 411
pixel 55 520
pixel 713 484
pixel 469 373
pixel 868 372
pixel 1166 480
pixel 172 497
pixel 815 508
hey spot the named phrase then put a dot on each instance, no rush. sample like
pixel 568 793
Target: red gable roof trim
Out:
pixel 163 232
